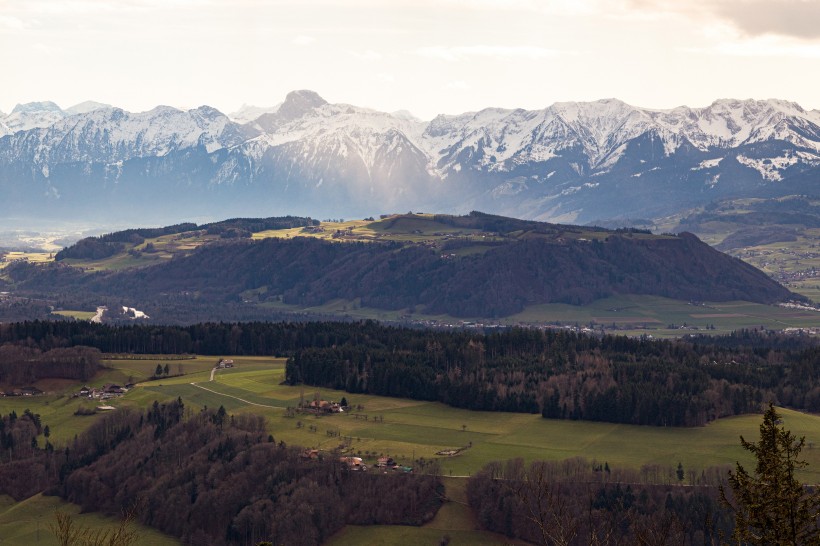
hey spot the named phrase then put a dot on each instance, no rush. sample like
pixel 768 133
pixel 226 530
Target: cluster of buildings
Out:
pixel 323 406
pixel 358 465
pixel 22 391
pixel 107 392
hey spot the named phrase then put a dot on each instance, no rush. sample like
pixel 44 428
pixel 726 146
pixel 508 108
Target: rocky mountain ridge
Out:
pixel 577 162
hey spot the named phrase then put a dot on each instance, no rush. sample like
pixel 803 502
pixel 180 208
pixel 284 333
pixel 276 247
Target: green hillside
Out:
pixel 476 266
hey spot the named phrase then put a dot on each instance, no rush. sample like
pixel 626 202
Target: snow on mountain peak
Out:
pixel 32 107
pixel 86 107
pixel 591 136
pixel 406 115
pixel 32 115
pixel 247 112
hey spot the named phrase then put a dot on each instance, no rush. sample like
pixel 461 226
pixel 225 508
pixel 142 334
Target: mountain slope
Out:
pixel 577 162
pixel 474 266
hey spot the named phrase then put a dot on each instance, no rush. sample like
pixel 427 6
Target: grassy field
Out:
pixel 410 429
pixel 79 315
pixel 796 264
pixel 407 430
pixel 27 522
pixel 413 429
pixel 628 315
pixel 654 315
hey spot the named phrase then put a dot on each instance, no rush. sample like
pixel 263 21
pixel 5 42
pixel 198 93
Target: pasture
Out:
pixel 27 522
pixel 626 315
pixel 410 431
pixel 664 317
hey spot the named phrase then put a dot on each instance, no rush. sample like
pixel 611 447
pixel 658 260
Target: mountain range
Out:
pixel 569 162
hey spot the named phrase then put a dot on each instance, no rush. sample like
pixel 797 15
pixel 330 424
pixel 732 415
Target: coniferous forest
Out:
pixel 557 373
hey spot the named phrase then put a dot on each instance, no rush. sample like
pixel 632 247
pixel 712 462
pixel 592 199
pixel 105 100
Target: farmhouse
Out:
pixel 324 406
pixel 354 463
pixel 30 391
pixel 225 363
pixel 24 391
pixel 112 388
pixel 386 462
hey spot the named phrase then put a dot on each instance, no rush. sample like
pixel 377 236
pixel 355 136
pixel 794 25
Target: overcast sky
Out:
pixel 437 56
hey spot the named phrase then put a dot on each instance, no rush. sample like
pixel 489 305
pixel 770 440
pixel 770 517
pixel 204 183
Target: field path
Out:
pixel 213 371
pixel 234 397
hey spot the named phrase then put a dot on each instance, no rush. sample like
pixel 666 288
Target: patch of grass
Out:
pixel 27 522
pixel 390 535
pixel 79 315
pixel 653 315
pixel 627 315
pixel 411 429
pixel 56 411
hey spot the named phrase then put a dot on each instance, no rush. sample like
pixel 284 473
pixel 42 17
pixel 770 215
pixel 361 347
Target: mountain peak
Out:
pixel 86 107
pixel 42 106
pixel 248 112
pixel 297 103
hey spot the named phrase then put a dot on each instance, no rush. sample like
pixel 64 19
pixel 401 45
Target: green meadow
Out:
pixel 626 315
pixel 28 522
pixel 408 430
pixel 664 317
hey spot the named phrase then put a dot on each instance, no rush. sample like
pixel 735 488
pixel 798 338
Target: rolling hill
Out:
pixel 478 265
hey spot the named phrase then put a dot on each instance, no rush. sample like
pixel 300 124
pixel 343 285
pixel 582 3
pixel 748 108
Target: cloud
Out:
pixel 457 85
pixel 795 18
pixel 458 53
pixel 12 23
pixel 303 40
pixel 763 46
pixel 368 55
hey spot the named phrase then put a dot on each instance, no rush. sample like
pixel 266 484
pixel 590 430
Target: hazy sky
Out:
pixel 439 56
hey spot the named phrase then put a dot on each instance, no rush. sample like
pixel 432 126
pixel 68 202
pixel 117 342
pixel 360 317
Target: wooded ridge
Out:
pixel 503 266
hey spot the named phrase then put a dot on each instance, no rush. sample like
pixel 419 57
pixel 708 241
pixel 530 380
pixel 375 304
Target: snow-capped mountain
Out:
pixel 247 113
pixel 85 107
pixel 571 161
pixel 32 115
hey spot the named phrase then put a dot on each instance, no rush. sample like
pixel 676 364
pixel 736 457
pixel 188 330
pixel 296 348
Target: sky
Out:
pixel 425 56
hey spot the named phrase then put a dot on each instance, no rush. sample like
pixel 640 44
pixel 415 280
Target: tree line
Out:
pixel 103 246
pixel 556 503
pixel 557 373
pixel 575 502
pixel 21 365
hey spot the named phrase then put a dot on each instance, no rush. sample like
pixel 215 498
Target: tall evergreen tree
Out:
pixel 770 505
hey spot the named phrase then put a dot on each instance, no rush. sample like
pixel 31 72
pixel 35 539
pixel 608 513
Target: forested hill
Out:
pixel 484 266
pixel 555 372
